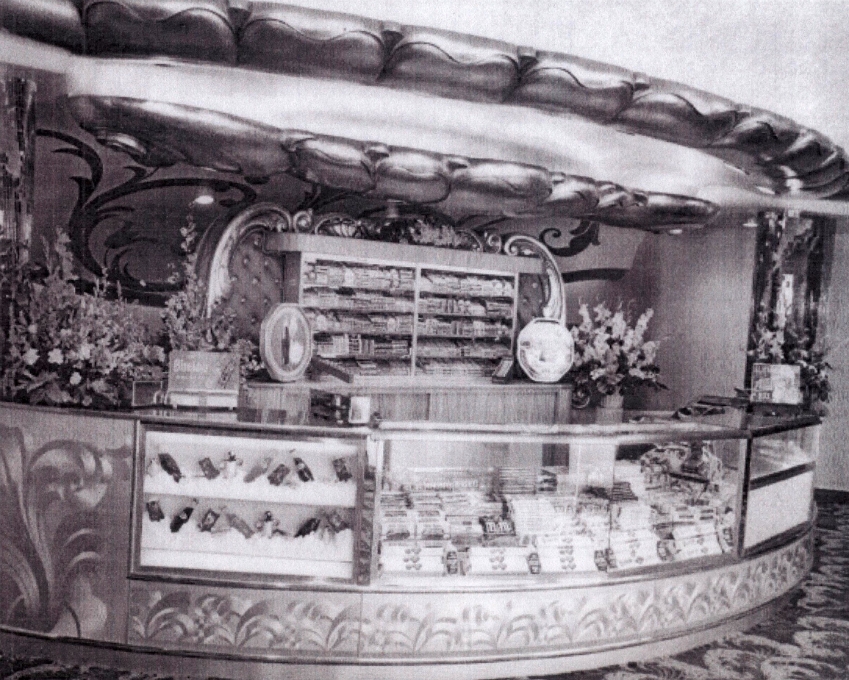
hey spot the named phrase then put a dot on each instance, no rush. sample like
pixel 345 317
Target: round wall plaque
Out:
pixel 545 350
pixel 285 343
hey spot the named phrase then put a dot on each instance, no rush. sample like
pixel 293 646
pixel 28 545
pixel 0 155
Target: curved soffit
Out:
pixel 158 134
pixel 778 152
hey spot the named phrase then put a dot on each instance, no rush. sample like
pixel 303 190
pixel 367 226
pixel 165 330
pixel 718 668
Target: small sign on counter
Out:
pixel 203 379
pixel 776 384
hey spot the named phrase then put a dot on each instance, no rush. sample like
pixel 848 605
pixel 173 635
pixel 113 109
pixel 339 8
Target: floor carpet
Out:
pixel 807 640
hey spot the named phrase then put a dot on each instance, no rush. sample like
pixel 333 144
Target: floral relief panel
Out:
pixel 490 624
pixel 299 624
pixel 64 524
pixel 487 624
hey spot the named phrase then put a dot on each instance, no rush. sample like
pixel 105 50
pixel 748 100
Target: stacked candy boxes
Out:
pixel 526 520
pixel 497 523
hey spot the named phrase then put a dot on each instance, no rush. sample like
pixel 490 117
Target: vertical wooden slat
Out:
pixel 17 178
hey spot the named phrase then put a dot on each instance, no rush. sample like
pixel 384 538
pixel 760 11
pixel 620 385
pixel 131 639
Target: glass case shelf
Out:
pixel 548 505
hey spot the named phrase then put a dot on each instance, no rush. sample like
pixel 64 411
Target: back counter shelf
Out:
pixel 486 550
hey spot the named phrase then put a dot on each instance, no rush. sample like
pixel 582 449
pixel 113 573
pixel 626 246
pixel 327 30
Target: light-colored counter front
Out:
pixel 355 551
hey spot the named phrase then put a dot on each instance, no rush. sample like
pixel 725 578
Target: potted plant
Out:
pixel 612 356
pixel 191 328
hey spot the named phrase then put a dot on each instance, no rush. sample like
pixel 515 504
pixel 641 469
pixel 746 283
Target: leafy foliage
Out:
pixel 188 325
pixel 611 353
pixel 70 348
pixel 774 344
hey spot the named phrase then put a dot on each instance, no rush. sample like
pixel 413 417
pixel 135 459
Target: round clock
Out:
pixel 285 343
pixel 545 350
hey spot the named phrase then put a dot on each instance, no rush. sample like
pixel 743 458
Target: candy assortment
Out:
pixel 347 275
pixel 526 520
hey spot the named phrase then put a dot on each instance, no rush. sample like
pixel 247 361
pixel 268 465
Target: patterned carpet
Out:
pixel 807 640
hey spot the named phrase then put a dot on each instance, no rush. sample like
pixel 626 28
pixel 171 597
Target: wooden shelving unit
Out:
pixel 377 314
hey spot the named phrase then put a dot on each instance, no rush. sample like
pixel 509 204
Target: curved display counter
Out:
pixel 234 543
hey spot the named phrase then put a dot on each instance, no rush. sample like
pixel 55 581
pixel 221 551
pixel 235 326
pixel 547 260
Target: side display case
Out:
pixel 229 501
pixel 542 505
pixel 781 483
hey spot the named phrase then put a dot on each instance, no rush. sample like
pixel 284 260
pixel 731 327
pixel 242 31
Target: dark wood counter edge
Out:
pixel 215 419
pixel 780 475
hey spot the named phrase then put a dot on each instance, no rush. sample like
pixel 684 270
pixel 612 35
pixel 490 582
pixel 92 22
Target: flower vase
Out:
pixel 611 409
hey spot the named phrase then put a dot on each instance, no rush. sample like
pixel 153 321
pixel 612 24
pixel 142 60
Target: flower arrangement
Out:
pixel 611 353
pixel 186 322
pixel 772 344
pixel 64 347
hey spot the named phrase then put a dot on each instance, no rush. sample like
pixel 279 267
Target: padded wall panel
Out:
pixel 288 39
pixel 184 29
pixel 52 21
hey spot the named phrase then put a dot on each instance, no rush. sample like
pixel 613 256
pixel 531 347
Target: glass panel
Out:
pixel 781 483
pixel 245 504
pixel 674 502
pixel 783 451
pixel 477 508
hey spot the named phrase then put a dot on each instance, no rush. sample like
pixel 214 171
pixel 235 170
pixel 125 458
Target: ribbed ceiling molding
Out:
pixel 162 134
pixel 295 40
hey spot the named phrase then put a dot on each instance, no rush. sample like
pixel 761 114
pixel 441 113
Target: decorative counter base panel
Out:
pixel 366 634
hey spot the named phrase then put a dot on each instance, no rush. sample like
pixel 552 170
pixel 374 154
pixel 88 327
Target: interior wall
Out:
pixel 699 284
pixel 833 464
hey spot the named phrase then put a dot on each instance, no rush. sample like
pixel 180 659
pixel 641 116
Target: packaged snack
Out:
pixel 180 519
pixel 154 511
pixel 303 470
pixel 258 470
pixel 308 527
pixel 343 472
pixel 239 524
pixel 230 466
pixel 336 522
pixel 210 517
pixel 207 467
pixel 170 466
pixel 279 474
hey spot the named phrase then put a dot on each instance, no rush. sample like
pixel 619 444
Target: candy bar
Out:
pixel 207 467
pixel 170 466
pixel 279 474
pixel 154 511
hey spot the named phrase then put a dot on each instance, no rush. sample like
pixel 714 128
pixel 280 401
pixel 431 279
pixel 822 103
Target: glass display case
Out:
pixel 239 501
pixel 553 501
pixel 459 502
pixel 780 481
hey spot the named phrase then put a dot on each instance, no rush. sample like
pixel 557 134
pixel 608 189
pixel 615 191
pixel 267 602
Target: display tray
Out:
pixel 340 494
pixel 232 552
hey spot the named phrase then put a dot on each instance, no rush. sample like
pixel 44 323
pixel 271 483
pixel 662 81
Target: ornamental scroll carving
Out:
pixel 296 40
pixel 54 506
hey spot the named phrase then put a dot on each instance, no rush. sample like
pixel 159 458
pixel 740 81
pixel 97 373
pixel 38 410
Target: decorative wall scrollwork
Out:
pixel 554 306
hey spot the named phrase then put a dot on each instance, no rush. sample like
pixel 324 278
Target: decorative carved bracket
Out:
pixel 555 302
